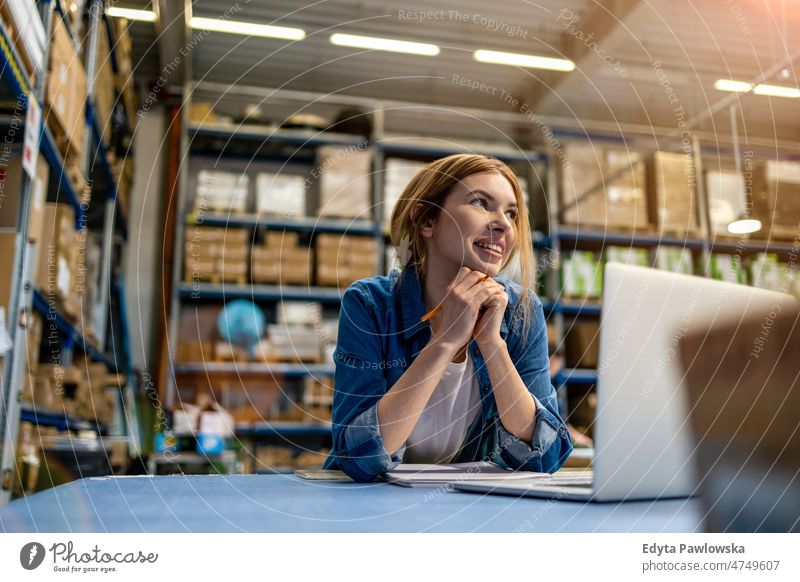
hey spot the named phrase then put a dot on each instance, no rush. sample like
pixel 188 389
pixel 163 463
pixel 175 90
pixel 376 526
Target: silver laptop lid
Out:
pixel 643 442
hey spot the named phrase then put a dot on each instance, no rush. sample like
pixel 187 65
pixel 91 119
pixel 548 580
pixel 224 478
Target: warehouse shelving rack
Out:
pixel 184 293
pixel 703 245
pixel 25 297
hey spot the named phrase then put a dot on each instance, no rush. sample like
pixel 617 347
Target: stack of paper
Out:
pixel 423 475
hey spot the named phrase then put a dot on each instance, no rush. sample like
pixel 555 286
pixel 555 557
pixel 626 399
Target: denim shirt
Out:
pixel 380 335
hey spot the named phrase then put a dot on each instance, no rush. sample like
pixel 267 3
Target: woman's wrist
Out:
pixel 491 346
pixel 443 345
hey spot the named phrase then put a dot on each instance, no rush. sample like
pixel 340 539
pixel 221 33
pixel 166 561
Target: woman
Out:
pixel 472 382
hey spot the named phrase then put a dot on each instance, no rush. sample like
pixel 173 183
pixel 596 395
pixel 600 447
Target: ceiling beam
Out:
pixel 581 42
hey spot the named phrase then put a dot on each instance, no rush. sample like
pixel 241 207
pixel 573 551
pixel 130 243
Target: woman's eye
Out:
pixel 511 214
pixel 480 201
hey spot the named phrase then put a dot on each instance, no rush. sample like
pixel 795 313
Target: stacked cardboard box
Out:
pixel 674 259
pixel 292 343
pixel 582 275
pixel 280 195
pixel 776 198
pixel 57 258
pixel 104 95
pixel 317 400
pixel 10 195
pixel 725 190
pixel 727 268
pixel 25 28
pixel 216 254
pixel 11 174
pixel 672 194
pixel 603 187
pixel 281 259
pixel 345 182
pixel 342 259
pixel 398 174
pixel 222 191
pixel 65 96
pixel 123 81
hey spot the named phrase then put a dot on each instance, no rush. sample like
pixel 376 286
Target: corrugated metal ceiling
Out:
pixel 696 42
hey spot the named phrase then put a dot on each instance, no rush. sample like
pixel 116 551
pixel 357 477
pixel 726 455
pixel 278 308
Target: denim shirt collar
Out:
pixel 412 304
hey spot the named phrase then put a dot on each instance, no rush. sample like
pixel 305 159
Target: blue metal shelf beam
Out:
pixel 41 305
pixel 203 291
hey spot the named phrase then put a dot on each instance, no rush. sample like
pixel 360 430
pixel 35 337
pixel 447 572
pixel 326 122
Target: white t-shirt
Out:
pixel 443 425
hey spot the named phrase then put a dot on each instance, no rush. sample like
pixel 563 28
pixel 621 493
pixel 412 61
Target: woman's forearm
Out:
pixel 400 408
pixel 515 405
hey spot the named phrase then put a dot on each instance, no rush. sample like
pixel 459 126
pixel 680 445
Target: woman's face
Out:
pixel 476 228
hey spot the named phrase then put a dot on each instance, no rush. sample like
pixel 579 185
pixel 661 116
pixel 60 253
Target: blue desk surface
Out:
pixel 285 503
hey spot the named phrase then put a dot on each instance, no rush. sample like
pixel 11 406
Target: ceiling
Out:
pixel 641 65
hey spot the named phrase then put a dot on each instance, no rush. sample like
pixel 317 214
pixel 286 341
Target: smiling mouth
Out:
pixel 490 250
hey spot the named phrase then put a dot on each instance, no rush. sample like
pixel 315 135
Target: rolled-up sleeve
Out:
pixel 359 384
pixel 550 444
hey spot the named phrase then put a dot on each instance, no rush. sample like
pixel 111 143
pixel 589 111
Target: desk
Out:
pixel 286 503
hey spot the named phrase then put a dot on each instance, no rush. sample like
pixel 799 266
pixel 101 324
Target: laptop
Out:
pixel 643 440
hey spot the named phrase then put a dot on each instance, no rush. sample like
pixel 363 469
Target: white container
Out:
pixel 221 191
pixel 280 194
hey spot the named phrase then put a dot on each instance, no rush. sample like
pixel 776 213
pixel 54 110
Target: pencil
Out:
pixel 433 312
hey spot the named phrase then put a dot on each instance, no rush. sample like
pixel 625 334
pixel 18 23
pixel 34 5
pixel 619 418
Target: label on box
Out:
pixel 30 148
pixel 62 281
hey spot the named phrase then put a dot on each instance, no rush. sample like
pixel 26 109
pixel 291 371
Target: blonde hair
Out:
pixel 423 199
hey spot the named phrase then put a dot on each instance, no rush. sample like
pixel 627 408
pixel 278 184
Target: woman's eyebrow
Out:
pixel 485 193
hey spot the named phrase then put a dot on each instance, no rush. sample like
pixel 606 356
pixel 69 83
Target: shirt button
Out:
pixel 562 431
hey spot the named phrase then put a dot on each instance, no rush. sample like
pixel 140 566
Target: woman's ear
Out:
pixel 425 228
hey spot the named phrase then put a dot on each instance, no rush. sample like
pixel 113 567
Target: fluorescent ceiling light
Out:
pixel 744 226
pixel 777 91
pixel 730 85
pixel 247 28
pixel 520 60
pixel 385 44
pixel 762 89
pixel 131 14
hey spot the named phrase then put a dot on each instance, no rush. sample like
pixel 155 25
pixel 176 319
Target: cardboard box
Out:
pixel 280 195
pixel 56 252
pixel 265 272
pixel 266 256
pixel 296 274
pixel 281 239
pixel 345 182
pixel 672 198
pixel 397 174
pixel 232 270
pixel 104 94
pixel 603 187
pixel 65 95
pixel 725 190
pixel 222 191
pixel 35 328
pixel 776 198
pixel 27 32
pixel 202 112
pixel 11 191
